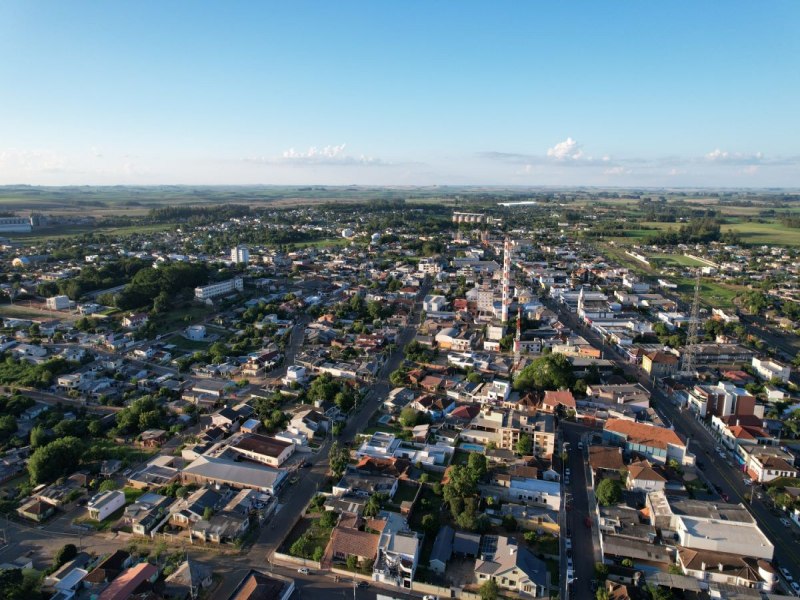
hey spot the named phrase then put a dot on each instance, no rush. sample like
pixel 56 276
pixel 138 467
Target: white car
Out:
pixel 796 588
pixel 786 575
pixel 566 480
pixel 303 570
pixel 568 544
pixel 567 472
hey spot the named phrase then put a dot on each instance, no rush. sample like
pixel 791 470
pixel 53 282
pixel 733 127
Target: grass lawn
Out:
pixel 764 233
pixel 315 534
pixel 405 493
pixel 129 455
pixel 131 494
pixel 713 294
pixel 674 260
pixel 179 318
pixel 23 311
pixel 183 344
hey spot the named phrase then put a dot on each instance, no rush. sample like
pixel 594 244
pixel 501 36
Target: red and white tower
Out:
pixel 507 249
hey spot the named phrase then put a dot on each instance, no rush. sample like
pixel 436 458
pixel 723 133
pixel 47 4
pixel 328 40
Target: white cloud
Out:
pixel 314 152
pixel 733 158
pixel 318 156
pixel 569 149
pixel 617 171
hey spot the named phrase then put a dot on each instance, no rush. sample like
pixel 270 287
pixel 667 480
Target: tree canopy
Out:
pixel 547 372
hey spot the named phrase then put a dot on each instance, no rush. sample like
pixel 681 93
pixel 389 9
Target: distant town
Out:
pixel 257 394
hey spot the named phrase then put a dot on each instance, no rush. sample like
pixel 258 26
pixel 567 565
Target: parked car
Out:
pixel 786 522
pixel 786 574
pixel 303 570
pixel 568 543
pixel 725 497
pixel 588 522
pixel 363 584
pixel 796 588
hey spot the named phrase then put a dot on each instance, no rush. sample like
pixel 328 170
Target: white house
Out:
pixel 104 505
pixel 768 369
pixel 433 304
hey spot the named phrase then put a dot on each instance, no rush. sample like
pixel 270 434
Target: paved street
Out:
pixel 585 552
pixel 295 498
pixel 701 443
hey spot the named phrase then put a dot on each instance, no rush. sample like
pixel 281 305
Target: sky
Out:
pixel 617 93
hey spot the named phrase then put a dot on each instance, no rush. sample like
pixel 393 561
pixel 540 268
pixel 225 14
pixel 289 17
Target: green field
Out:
pixel 674 260
pixel 749 232
pixel 46 234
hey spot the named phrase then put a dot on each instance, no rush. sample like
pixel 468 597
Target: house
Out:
pixel 736 431
pixel 36 510
pixel 153 438
pixel 310 422
pixel 660 364
pixel 397 558
pixel 513 568
pixel 765 463
pixel 644 477
pixel 138 578
pixel 555 399
pixel 442 550
pixel 188 580
pixel 466 544
pixel 605 460
pixel 105 504
pixel 134 320
pixel 348 541
pixel 146 512
pixel 770 368
pixel 259 586
pixel 107 569
pixel 727 568
pixel 194 507
pixel 654 443
pixel 220 528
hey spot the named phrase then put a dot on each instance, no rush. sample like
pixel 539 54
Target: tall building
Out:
pixel 240 254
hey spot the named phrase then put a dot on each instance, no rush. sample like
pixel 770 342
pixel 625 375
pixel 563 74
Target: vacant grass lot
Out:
pixel 674 260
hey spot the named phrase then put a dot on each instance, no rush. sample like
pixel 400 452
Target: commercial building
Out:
pixel 16 224
pixel 220 288
pixel 104 505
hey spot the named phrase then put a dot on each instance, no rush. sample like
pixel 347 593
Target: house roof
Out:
pixel 352 542
pixel 108 568
pixel 262 444
pixel 563 397
pixel 123 586
pixel 644 434
pixel 606 457
pixel 644 471
pixel 258 586
pixel 443 545
pixel 732 565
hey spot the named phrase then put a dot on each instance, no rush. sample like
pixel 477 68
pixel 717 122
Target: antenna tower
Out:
pixel 687 360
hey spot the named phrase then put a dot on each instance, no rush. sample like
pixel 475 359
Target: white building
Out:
pixel 104 505
pixel 58 303
pixel 196 332
pixel 240 254
pixel 433 304
pixel 769 368
pixel 221 288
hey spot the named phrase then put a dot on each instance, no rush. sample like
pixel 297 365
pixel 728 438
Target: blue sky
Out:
pixel 509 93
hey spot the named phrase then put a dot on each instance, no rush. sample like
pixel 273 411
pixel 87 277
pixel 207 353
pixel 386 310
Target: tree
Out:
pixel 66 553
pixel 659 593
pixel 600 571
pixel 627 562
pixel 208 512
pixel 328 518
pixel 548 372
pixel 524 445
pixel 352 560
pixel 477 466
pixel 39 436
pixel 409 417
pixel 602 594
pixel 108 485
pixel 374 504
pixel 489 590
pixel 338 457
pixel 344 401
pixel 55 459
pixel 609 492
pixel 319 552
pixel 398 377
pixel 430 524
pixel 16 584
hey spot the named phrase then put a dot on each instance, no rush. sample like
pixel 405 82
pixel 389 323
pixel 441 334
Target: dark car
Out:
pixel 363 584
pixel 725 497
pixel 306 464
pixel 588 522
